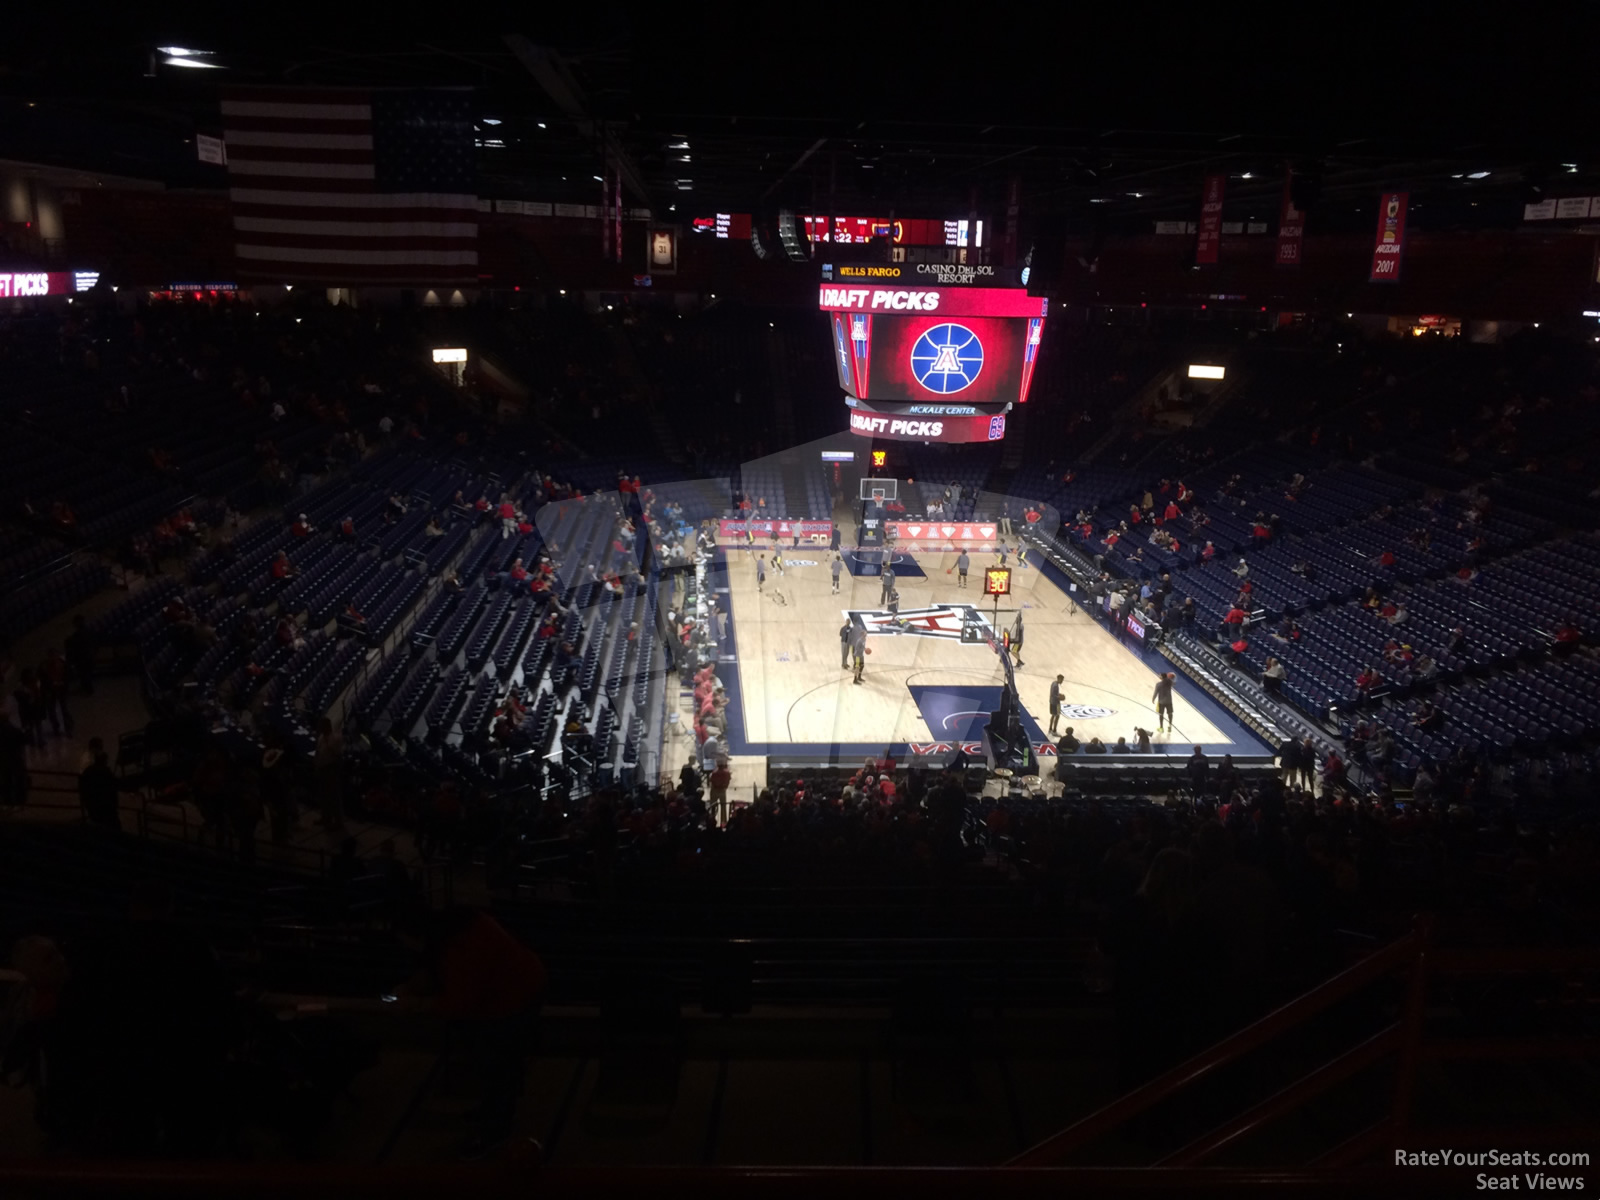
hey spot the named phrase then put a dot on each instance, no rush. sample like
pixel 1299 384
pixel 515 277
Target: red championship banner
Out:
pixel 1205 252
pixel 1291 226
pixel 1391 238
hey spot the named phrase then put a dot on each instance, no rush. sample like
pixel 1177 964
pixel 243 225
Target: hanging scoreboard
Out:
pixel 931 351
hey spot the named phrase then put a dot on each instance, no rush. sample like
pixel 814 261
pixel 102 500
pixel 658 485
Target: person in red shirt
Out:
pixel 1261 532
pixel 347 529
pixel 518 572
pixel 491 987
pixel 1172 512
pixel 1208 552
pixel 720 779
pixel 281 567
pixel 1235 619
pixel 1367 680
pixel 1386 559
pixel 301 527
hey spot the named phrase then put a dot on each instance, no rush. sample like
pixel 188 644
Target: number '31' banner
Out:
pixel 1391 238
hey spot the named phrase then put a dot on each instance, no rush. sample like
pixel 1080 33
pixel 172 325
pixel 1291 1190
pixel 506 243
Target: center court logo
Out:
pixel 947 358
pixel 1086 712
pixel 944 621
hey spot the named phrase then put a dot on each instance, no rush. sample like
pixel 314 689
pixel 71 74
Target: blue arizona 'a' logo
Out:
pixel 947 358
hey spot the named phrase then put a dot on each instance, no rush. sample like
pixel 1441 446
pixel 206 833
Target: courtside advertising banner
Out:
pixel 1391 238
pixel 1205 252
pixel 1291 226
pixel 934 532
pixel 767 528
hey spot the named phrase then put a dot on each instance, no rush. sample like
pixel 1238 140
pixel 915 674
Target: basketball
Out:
pixel 869 649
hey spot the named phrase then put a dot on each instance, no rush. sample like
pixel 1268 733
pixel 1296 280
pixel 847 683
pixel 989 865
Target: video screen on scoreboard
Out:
pixel 933 342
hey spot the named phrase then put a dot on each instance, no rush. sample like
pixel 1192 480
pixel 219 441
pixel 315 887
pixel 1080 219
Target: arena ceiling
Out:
pixel 1103 122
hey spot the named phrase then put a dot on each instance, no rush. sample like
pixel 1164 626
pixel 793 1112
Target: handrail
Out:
pixel 1398 953
pixel 1351 1063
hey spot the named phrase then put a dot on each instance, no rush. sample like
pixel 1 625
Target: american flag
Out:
pixel 342 187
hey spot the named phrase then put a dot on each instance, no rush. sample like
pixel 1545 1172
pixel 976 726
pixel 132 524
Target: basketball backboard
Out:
pixel 880 489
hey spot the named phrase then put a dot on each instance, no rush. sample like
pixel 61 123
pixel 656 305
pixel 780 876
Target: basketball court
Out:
pixel 925 691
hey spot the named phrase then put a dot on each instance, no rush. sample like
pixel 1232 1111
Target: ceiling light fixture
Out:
pixel 1477 175
pixel 541 125
pixel 491 120
pixel 192 63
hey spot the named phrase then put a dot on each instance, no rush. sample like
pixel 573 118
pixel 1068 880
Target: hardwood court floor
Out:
pixel 795 692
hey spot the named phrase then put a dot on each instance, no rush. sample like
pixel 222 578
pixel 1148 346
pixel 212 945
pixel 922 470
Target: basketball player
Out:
pixel 1004 554
pixel 888 584
pixel 1163 701
pixel 962 563
pixel 777 559
pixel 1016 641
pixel 761 573
pixel 845 631
pixel 749 538
pixel 836 567
pixel 1055 701
pixel 858 650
